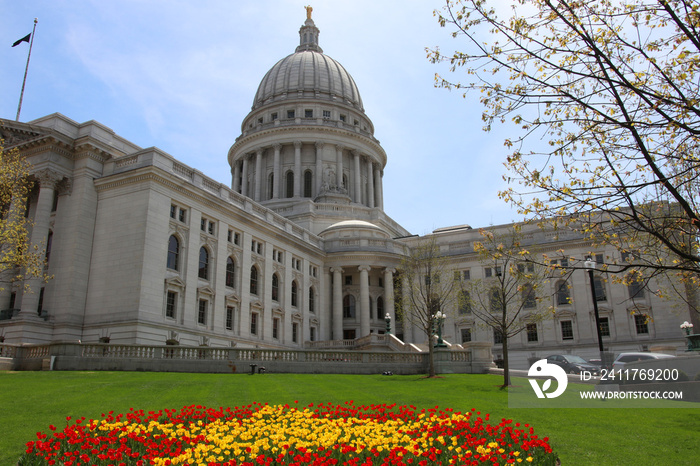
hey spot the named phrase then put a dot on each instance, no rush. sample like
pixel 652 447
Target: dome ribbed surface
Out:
pixel 308 74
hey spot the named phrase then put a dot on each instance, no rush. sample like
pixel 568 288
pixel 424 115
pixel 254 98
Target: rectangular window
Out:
pixel 275 328
pixel 567 330
pixel 343 118
pixel 641 324
pixel 229 236
pixel 604 327
pixel 466 275
pixel 531 332
pixel 274 116
pixel 202 314
pixel 183 215
pixel 348 279
pixel 327 114
pixel 210 228
pixel 173 211
pixel 466 335
pixel 312 333
pixel 229 318
pixel 295 332
pixel 497 337
pixel 171 305
pixel 254 323
pixel 203 224
pixel 290 113
pixel 237 238
pixel 308 113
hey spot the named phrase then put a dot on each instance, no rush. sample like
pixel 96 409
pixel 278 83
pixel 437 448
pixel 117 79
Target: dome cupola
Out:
pixel 308 74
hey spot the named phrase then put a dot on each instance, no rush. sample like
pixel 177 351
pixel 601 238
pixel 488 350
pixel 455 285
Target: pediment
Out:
pixel 205 290
pixel 19 133
pixel 175 281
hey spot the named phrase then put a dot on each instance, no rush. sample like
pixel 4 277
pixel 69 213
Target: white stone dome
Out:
pixel 355 225
pixel 308 73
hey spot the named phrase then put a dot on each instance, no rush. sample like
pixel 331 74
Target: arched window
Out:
pixel 203 264
pixel 254 280
pixel 308 180
pixel 380 308
pixel 289 177
pixel 312 300
pixel 464 303
pixel 270 185
pixel 173 252
pixel 349 307
pixel 295 294
pixel 563 295
pixel 230 273
pixel 599 286
pixel 275 287
pixel 495 302
pixel 528 295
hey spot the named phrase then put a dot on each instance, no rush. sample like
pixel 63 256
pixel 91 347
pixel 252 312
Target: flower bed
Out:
pixel 257 434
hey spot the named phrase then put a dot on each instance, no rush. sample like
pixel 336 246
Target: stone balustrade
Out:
pixel 115 357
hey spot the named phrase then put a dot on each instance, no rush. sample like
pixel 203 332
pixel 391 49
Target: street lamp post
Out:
pixel 590 265
pixel 439 318
pixel 387 319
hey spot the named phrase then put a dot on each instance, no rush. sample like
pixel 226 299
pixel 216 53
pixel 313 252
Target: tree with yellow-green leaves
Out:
pixel 428 291
pixel 513 293
pixel 604 99
pixel 18 259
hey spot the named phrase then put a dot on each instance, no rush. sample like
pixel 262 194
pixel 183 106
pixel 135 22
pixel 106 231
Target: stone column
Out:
pixel 358 178
pixel 236 185
pixel 297 168
pixel 337 303
pixel 258 173
pixel 325 306
pixel 339 166
pixel 319 167
pixel 244 176
pixel 370 183
pixel 364 300
pixel 276 172
pixel 40 232
pixel 389 296
pixel 378 187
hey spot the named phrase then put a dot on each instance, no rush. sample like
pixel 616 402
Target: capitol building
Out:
pixel 295 252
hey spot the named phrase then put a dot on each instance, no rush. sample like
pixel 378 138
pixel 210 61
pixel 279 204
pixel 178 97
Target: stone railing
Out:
pixel 98 356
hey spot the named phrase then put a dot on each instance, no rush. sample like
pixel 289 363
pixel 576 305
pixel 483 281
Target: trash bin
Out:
pixel 252 369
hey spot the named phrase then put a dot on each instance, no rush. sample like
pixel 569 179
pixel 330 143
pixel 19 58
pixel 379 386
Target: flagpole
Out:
pixel 26 69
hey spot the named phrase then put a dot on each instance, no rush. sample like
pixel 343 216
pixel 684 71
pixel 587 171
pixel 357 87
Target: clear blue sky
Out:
pixel 181 76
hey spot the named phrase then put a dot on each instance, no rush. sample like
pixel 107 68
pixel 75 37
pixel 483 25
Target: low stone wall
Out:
pixel 107 357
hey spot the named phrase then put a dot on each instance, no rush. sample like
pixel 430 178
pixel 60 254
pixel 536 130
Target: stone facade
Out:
pixel 296 252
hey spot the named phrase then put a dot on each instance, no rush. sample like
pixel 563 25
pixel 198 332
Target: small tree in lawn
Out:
pixel 429 288
pixel 18 260
pixel 511 295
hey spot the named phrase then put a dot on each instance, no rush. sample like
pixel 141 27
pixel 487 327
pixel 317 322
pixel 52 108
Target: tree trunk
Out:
pixel 506 371
pixel 431 356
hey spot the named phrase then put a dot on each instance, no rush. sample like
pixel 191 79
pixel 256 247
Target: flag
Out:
pixel 23 39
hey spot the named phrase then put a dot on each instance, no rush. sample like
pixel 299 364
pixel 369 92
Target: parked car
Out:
pixel 624 358
pixel 573 364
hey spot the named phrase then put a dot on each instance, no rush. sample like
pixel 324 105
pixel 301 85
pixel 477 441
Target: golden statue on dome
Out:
pixel 309 9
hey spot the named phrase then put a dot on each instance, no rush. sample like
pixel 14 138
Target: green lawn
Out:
pixel 31 401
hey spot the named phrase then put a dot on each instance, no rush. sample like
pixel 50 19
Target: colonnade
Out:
pixel 30 292
pixel 250 172
pixel 363 310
